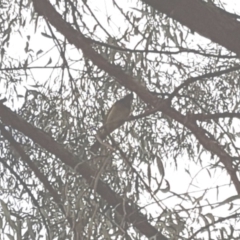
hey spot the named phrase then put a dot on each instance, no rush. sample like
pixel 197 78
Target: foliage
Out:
pixel 158 164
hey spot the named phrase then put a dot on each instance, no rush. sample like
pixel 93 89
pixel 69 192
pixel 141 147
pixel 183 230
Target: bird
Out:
pixel 116 116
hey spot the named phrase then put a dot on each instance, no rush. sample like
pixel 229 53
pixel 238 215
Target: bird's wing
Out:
pixel 116 116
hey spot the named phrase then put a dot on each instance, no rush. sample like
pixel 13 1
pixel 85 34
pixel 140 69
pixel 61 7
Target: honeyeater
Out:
pixel 115 117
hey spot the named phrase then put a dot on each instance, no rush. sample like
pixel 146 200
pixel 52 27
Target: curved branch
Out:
pixel 45 9
pixel 122 206
pixel 212 224
pixel 202 77
pixel 34 200
pixel 206 19
pixel 43 179
pixel 181 50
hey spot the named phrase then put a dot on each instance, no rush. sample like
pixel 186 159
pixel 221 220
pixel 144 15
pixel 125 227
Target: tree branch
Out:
pixel 43 179
pixel 122 206
pixel 44 8
pixel 201 77
pixel 203 117
pixel 206 19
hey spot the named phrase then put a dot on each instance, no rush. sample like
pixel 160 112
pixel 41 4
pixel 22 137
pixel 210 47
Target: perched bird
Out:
pixel 115 117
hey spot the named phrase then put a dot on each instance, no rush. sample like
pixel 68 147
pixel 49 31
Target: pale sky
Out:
pixel 178 178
